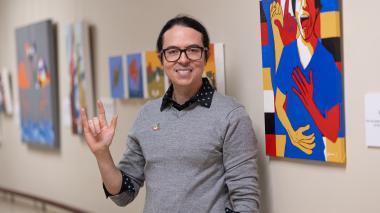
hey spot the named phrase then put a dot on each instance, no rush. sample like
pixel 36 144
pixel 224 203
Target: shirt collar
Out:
pixel 203 97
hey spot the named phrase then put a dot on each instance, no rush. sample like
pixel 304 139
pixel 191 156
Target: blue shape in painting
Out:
pixel 41 132
pixel 329 5
pixel 134 75
pixel 116 77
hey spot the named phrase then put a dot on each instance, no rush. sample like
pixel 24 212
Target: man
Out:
pixel 194 148
pixel 309 89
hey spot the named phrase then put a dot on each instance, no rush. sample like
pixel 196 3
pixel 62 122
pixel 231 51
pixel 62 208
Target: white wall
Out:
pixel 288 186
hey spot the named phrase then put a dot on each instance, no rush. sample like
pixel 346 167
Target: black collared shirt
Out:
pixel 203 97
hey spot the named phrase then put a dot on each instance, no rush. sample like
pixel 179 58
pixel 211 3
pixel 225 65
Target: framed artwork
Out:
pixel 117 77
pixel 154 75
pixel 214 68
pixel 38 84
pixel 303 79
pixel 2 95
pixel 80 71
pixel 6 92
pixel 135 75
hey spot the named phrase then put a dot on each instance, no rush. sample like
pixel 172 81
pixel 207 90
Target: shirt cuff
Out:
pixel 126 186
pixel 229 210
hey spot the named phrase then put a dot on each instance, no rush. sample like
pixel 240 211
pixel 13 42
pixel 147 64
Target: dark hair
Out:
pixel 317 4
pixel 185 21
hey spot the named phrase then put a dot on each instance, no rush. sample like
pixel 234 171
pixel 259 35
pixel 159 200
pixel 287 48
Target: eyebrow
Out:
pixel 191 45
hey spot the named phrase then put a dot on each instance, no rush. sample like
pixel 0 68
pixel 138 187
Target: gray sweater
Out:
pixel 196 160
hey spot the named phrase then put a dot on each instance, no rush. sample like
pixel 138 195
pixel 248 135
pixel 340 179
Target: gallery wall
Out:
pixel 70 174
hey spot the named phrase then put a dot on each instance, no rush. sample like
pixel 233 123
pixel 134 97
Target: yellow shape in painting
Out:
pixel 336 152
pixel 280 145
pixel 155 75
pixel 153 58
pixel 210 67
pixel 267 79
pixel 330 24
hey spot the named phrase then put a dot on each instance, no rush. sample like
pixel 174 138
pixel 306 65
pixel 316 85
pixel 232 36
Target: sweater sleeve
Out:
pixel 132 165
pixel 239 159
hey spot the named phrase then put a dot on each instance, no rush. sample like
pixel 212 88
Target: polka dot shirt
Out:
pixel 203 97
pixel 126 186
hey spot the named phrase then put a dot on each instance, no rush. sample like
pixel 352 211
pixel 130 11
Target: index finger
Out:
pixel 286 7
pixel 102 114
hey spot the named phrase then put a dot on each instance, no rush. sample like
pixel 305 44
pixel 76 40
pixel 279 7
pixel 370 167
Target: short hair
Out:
pixel 317 4
pixel 186 21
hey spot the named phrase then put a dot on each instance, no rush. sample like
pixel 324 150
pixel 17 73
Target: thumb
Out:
pixel 304 128
pixel 279 25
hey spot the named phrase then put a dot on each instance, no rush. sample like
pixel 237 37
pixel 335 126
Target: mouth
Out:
pixel 305 21
pixel 182 70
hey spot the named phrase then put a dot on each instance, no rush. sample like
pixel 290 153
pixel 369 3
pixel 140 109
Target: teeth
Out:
pixel 183 70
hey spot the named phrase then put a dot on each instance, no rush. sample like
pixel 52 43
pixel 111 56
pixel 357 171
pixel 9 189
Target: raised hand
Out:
pixel 305 143
pixel 285 22
pixel 98 134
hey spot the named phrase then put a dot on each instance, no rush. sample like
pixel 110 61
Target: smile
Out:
pixel 183 70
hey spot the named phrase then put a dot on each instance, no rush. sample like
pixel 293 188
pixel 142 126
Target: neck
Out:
pixel 306 49
pixel 312 43
pixel 183 94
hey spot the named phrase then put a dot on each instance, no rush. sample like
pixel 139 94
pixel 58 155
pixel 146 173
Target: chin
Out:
pixel 182 82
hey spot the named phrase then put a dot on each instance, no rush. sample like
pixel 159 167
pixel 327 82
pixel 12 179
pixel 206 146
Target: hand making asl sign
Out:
pixel 284 21
pixel 97 132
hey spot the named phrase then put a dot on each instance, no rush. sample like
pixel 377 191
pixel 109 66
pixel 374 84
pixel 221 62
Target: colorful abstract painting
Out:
pixel 135 75
pixel 38 84
pixel 303 79
pixel 154 75
pixel 2 95
pixel 117 77
pixel 80 71
pixel 6 92
pixel 214 68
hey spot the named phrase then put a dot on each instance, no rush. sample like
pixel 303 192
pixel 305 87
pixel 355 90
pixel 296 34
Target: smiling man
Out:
pixel 194 148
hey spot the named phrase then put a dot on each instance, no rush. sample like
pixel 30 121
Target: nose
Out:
pixel 183 58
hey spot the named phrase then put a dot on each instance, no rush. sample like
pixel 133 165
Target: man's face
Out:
pixel 184 72
pixel 306 15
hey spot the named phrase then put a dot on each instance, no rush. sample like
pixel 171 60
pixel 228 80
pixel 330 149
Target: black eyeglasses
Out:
pixel 193 53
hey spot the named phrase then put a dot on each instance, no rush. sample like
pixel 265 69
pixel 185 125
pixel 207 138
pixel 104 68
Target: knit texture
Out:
pixel 195 160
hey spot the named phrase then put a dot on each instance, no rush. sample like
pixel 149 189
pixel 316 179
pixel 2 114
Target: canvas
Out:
pixel 303 79
pixel 6 91
pixel 117 81
pixel 2 96
pixel 135 75
pixel 38 84
pixel 80 71
pixel 154 75
pixel 214 68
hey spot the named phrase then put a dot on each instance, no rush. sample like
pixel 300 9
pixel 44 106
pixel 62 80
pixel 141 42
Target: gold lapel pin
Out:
pixel 156 127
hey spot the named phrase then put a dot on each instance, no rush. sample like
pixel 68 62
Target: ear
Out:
pixel 206 55
pixel 159 55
